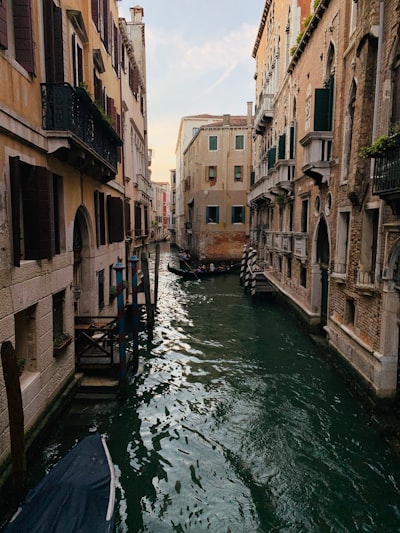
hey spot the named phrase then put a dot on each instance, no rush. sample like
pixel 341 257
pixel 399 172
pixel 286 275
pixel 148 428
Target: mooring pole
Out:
pixel 147 294
pixel 135 313
pixel 123 378
pixel 16 419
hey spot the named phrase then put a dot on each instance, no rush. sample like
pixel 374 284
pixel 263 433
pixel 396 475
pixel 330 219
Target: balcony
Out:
pixel 300 245
pixel 365 281
pixel 386 178
pixel 78 133
pixel 264 113
pixel 317 156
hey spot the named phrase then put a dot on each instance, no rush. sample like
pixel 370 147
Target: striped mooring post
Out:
pixel 243 265
pixel 123 376
pixel 253 261
pixel 248 266
pixel 135 313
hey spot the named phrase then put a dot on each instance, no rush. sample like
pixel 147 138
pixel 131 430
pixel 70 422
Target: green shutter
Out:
pixel 282 147
pixel 323 108
pixel 217 214
pixel 291 143
pixel 243 214
pixel 207 214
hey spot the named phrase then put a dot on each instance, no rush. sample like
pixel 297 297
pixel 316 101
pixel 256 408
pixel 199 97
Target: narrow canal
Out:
pixel 236 424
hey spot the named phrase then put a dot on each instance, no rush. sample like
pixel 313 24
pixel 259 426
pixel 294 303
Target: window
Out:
pixel 195 131
pixel 213 142
pixel 58 314
pixel 16 35
pixel 53 42
pixel 239 142
pixel 238 214
pixel 368 246
pixel 288 267
pixel 100 288
pixel 350 312
pixel 238 173
pixel 77 61
pixel 115 219
pixel 303 276
pixel 304 216
pixel 342 242
pixel 212 214
pixel 35 198
pixel 99 213
pixel 211 174
pixel 396 93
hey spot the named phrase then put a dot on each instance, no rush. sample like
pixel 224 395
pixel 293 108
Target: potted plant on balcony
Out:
pixel 60 342
pixel 379 147
pixel 21 364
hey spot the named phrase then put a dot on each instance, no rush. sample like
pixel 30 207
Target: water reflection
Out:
pixel 237 425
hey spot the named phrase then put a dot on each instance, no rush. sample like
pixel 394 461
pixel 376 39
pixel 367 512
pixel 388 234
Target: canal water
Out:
pixel 236 424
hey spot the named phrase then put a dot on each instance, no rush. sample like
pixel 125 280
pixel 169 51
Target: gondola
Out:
pixel 76 495
pixel 200 274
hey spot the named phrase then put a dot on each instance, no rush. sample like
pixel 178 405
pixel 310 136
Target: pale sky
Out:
pixel 199 60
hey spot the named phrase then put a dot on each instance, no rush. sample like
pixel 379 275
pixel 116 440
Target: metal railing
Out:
pixel 386 177
pixel 67 109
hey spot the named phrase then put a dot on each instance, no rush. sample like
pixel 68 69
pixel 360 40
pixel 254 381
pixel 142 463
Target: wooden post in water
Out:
pixel 135 314
pixel 16 419
pixel 156 268
pixel 123 377
pixel 147 294
pixel 243 266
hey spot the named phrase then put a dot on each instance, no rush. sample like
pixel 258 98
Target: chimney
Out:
pixel 136 14
pixel 226 120
pixel 249 114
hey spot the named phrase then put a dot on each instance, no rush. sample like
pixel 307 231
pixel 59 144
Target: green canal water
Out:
pixel 236 424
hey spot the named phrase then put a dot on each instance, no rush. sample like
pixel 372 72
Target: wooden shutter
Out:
pixel 3 26
pixel 15 186
pixel 282 146
pixel 95 13
pixel 23 34
pixel 323 109
pixel 291 143
pixel 99 210
pixel 45 212
pixel 127 209
pixel 53 42
pixel 115 219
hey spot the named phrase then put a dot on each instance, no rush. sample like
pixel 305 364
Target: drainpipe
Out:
pixel 378 265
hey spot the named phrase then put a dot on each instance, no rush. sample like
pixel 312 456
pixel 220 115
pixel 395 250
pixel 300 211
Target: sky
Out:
pixel 199 61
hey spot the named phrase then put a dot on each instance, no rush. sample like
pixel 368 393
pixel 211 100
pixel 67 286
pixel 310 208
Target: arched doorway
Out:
pixel 83 271
pixel 320 289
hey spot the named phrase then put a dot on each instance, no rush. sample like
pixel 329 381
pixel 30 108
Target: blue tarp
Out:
pixel 76 496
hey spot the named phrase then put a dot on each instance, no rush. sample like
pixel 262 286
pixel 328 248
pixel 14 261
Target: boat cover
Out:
pixel 76 496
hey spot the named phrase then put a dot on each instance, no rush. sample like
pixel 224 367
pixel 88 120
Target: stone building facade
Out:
pixel 217 166
pixel 63 215
pixel 327 234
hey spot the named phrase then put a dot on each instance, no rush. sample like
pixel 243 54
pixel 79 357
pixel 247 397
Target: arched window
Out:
pixel 348 130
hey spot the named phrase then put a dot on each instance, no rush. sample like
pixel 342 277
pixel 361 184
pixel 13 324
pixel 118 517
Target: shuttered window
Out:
pixel 238 214
pixel 212 214
pixel 3 25
pixel 127 209
pixel 23 34
pixel 53 42
pixel 323 112
pixel 115 219
pixel 282 146
pixel 95 14
pixel 396 94
pixel 99 213
pixel 34 211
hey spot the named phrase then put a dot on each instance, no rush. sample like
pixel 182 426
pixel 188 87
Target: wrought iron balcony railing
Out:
pixel 72 111
pixel 387 172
